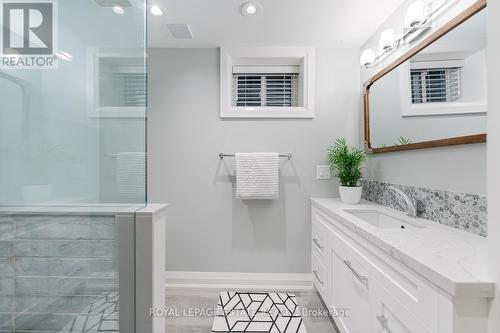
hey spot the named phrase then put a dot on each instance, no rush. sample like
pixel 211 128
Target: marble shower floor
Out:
pixel 191 311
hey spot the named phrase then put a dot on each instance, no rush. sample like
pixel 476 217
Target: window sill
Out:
pixel 435 109
pixel 267 112
pixel 118 112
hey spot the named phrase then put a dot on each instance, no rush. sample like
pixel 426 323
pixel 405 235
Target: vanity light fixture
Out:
pixel 251 8
pixel 119 10
pixel 387 40
pixel 416 22
pixel 415 14
pixel 156 11
pixel 367 58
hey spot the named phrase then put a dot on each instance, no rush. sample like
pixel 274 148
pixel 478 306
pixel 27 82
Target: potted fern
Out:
pixel 347 162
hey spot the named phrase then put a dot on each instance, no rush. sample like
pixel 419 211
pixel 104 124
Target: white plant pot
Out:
pixel 350 195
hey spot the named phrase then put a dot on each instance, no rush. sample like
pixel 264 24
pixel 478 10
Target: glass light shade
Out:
pixel 367 57
pixel 387 39
pixel 415 14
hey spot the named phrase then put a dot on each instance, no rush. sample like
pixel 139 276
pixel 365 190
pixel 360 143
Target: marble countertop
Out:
pixel 454 260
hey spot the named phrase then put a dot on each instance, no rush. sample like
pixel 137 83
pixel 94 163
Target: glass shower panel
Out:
pixel 75 133
pixel 72 163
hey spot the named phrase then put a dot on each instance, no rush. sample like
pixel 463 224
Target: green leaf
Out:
pixel 403 141
pixel 346 162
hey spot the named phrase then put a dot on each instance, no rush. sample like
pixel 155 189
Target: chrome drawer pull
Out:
pixel 361 278
pixel 315 240
pixel 383 322
pixel 315 272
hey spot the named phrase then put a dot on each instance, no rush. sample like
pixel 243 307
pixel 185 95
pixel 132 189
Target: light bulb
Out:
pixel 367 57
pixel 251 8
pixel 387 39
pixel 118 10
pixel 415 14
pixel 156 11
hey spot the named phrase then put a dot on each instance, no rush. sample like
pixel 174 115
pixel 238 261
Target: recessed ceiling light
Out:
pixel 118 10
pixel 156 11
pixel 251 8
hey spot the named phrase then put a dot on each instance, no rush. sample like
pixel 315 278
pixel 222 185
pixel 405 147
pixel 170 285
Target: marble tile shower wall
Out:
pixel 52 268
pixel 459 210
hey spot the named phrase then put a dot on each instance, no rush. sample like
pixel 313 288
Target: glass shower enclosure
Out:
pixel 72 162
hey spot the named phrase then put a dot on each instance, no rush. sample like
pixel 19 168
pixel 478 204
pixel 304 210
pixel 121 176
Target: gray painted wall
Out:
pixel 458 169
pixel 207 229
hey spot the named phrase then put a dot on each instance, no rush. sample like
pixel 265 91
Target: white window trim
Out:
pixel 229 56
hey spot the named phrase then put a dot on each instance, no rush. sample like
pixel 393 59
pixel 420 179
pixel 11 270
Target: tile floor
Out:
pixel 101 316
pixel 192 310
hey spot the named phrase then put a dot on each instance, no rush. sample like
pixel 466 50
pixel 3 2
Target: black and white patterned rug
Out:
pixel 257 312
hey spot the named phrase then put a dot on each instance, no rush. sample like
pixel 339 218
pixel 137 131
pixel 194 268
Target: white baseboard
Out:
pixel 236 281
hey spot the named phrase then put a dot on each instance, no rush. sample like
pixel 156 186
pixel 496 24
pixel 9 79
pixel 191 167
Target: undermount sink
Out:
pixel 381 220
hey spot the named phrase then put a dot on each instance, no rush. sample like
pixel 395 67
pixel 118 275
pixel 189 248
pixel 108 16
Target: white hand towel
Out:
pixel 257 176
pixel 131 176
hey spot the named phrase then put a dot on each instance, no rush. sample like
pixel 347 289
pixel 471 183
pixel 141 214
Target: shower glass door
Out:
pixel 72 162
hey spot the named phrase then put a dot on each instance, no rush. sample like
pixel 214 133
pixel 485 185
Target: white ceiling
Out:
pixel 319 23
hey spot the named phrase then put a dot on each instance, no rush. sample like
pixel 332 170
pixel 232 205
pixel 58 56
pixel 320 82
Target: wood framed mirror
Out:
pixel 435 94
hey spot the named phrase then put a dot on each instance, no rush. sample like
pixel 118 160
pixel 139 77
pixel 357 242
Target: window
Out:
pixel 443 84
pixel 118 84
pixel 260 86
pixel 129 84
pixel 267 83
pixel 435 85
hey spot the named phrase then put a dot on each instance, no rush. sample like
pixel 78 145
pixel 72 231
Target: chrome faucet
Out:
pixel 410 204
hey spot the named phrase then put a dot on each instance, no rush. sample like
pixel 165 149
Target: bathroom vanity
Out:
pixel 379 270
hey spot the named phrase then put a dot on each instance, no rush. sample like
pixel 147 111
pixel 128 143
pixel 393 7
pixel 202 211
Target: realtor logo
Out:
pixel 28 34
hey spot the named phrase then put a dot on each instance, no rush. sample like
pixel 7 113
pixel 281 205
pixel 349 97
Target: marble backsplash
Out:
pixel 463 211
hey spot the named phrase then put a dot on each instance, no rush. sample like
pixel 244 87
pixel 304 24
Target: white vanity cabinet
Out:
pixel 368 291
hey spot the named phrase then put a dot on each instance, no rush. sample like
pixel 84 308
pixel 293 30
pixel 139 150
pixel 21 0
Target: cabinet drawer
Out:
pixel 350 294
pixel 319 236
pixel 390 316
pixel 420 297
pixel 320 276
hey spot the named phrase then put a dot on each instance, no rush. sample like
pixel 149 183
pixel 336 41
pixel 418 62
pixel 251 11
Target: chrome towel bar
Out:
pixel 222 155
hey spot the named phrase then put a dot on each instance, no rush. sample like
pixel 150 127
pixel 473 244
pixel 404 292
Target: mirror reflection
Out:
pixel 438 93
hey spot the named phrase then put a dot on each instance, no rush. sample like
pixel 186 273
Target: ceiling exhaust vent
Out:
pixel 112 3
pixel 180 31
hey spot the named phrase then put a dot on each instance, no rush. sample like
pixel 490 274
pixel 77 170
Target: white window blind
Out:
pixel 261 86
pixel 435 85
pixel 130 85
